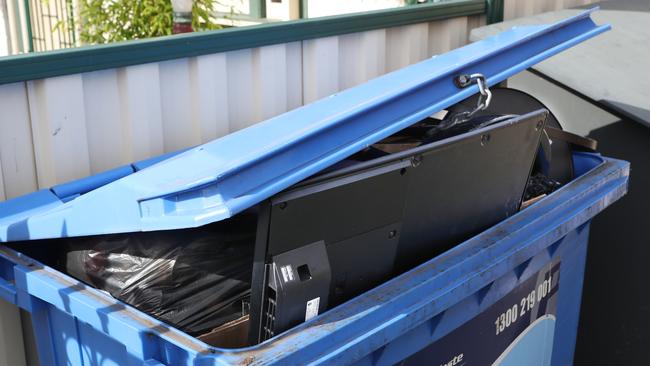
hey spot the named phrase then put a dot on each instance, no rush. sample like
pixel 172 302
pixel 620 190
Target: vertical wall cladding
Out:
pixel 449 34
pixel 64 128
pixel 294 66
pixel 209 99
pixel 241 110
pixel 140 111
pixel 180 127
pixel 320 68
pixel 17 166
pixel 406 45
pixel 336 63
pixel 58 121
pixel 362 56
pixel 106 143
pixel 523 8
pixel 269 79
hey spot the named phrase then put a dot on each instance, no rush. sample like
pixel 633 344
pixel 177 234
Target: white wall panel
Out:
pixel 17 167
pixel 406 45
pixel 102 119
pixel 526 6
pixel 180 128
pixel 542 6
pixel 351 68
pixel 473 21
pixel 140 111
pixel 278 79
pixel 510 9
pixel 270 78
pixel 362 56
pixel 59 130
pixel 241 107
pixel 320 68
pixel 447 34
pixel 294 75
pixel 209 79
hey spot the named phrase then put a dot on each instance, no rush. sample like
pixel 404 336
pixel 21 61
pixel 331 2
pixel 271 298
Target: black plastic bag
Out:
pixel 194 279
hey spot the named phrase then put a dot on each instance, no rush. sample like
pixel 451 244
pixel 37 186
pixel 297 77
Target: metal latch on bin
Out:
pixel 216 180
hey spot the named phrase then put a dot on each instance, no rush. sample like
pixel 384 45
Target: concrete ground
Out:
pixel 615 314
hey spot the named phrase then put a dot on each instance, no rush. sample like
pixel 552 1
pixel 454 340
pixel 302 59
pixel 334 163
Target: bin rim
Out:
pixel 219 179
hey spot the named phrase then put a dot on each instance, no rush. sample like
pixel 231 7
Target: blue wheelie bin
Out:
pixel 362 279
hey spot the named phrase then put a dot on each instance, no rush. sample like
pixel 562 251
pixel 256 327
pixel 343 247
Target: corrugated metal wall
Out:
pixel 63 128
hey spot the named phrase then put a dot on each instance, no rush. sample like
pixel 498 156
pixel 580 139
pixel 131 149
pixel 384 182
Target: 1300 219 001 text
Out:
pixel 527 303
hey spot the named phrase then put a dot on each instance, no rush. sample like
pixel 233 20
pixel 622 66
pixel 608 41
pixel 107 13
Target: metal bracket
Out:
pixel 463 81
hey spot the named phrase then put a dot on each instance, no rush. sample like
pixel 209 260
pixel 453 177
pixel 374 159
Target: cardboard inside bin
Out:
pixel 233 334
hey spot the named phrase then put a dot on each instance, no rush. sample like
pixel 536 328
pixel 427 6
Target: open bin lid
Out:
pixel 216 180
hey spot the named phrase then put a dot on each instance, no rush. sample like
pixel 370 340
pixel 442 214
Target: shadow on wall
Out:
pixel 615 314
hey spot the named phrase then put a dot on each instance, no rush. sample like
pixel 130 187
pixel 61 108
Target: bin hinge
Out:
pixel 463 81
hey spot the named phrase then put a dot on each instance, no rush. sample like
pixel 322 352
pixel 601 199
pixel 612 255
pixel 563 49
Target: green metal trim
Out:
pixel 304 6
pixel 91 58
pixel 28 21
pixel 73 25
pixel 494 11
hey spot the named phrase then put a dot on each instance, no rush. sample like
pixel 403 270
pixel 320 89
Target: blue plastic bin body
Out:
pixel 456 308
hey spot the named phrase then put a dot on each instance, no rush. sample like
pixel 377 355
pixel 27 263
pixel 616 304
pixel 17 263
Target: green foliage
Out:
pixel 104 21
